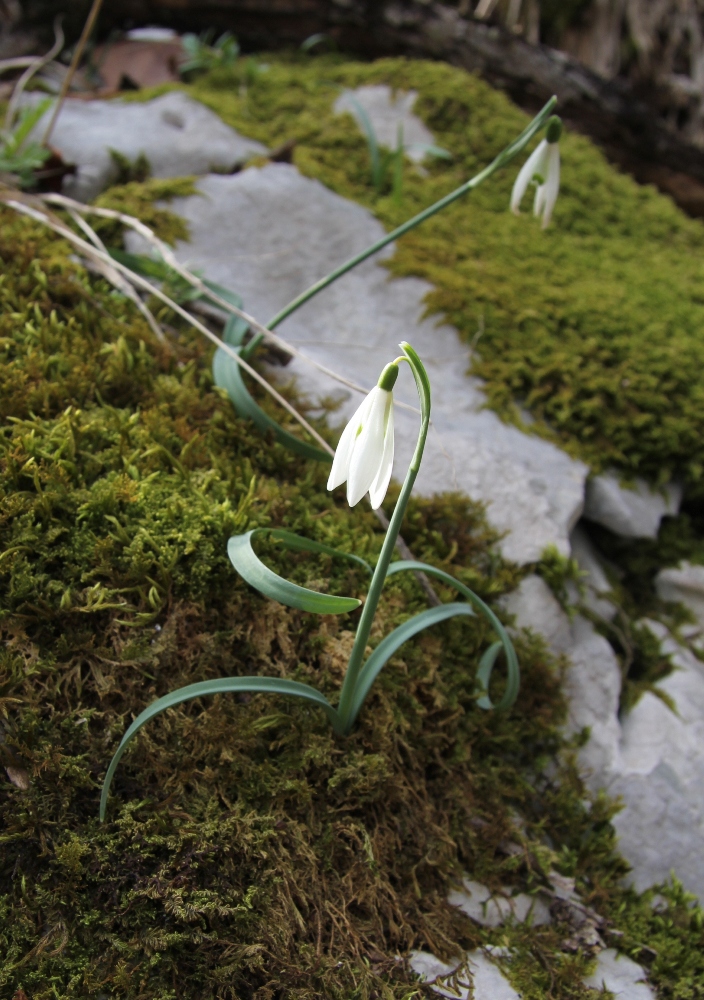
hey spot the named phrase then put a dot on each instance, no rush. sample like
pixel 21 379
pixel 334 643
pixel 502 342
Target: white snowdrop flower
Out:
pixel 365 454
pixel 543 167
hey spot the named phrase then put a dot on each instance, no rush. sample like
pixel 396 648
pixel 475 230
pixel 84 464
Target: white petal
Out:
pixel 378 489
pixel 539 203
pixel 368 449
pixel 552 184
pixel 535 164
pixel 345 447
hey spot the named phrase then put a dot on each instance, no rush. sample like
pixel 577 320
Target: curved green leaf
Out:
pixel 227 375
pixel 364 121
pixel 301 544
pixel 223 685
pixel 267 582
pixel 388 646
pixel 486 665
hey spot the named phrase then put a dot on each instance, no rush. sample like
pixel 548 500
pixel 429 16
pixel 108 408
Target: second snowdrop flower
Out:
pixel 543 167
pixel 365 454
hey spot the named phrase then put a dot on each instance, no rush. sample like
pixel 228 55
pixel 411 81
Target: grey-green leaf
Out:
pixel 227 375
pixel 388 646
pixel 223 685
pixel 513 678
pixel 267 582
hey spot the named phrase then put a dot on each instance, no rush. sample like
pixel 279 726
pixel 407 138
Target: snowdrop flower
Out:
pixel 543 166
pixel 365 454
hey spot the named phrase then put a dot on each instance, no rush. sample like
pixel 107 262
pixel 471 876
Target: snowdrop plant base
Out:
pixel 375 418
pixel 360 674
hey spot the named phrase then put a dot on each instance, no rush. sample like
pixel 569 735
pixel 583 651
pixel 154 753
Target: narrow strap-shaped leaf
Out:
pixel 267 582
pixel 227 375
pixel 388 646
pixel 486 665
pixel 148 267
pixel 223 685
pixel 226 371
pixel 372 142
pixel 301 544
pixel 513 679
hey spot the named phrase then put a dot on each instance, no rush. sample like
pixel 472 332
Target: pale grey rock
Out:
pixel 493 909
pixel 487 980
pixel 179 136
pixel 684 584
pixel 593 679
pixel 268 233
pixel 595 582
pixel 621 975
pixel 152 33
pixel 386 111
pixel 632 513
pixel 661 775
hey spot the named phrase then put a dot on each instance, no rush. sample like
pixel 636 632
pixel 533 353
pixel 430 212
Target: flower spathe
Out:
pixel 543 167
pixel 365 454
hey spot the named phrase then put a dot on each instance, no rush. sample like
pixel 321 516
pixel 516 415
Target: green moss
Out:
pixel 139 198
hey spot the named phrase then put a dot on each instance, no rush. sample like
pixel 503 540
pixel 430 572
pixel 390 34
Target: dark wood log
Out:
pixel 610 112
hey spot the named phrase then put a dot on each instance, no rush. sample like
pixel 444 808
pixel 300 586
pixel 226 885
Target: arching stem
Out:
pixel 504 157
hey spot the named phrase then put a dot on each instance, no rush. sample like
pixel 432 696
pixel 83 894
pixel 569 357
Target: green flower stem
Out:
pixel 346 706
pixel 504 157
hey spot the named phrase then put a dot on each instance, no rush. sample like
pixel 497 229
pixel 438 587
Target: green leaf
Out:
pixel 388 646
pixel 29 116
pixel 148 267
pixel 227 375
pixel 252 569
pixel 488 660
pixel 372 142
pixel 224 685
pixel 430 150
pixel 226 371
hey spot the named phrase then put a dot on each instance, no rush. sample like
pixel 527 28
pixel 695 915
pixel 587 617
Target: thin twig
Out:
pixel 68 79
pixel 32 69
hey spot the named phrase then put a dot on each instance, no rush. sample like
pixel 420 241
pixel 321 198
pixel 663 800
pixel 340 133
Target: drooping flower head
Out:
pixel 365 454
pixel 543 167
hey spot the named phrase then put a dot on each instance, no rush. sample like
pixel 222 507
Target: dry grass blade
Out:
pixel 170 258
pixel 78 52
pixel 114 276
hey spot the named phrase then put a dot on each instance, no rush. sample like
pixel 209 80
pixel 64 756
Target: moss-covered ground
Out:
pixel 248 852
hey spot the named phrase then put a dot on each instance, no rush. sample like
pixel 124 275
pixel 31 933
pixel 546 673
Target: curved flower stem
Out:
pixel 504 157
pixel 346 705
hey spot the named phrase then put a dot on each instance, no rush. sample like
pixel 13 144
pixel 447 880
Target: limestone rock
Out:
pixel 492 910
pixel 488 981
pixel 178 136
pixel 633 513
pixel 386 111
pixel 621 975
pixel 661 827
pixel 684 584
pixel 268 233
pixel 593 680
